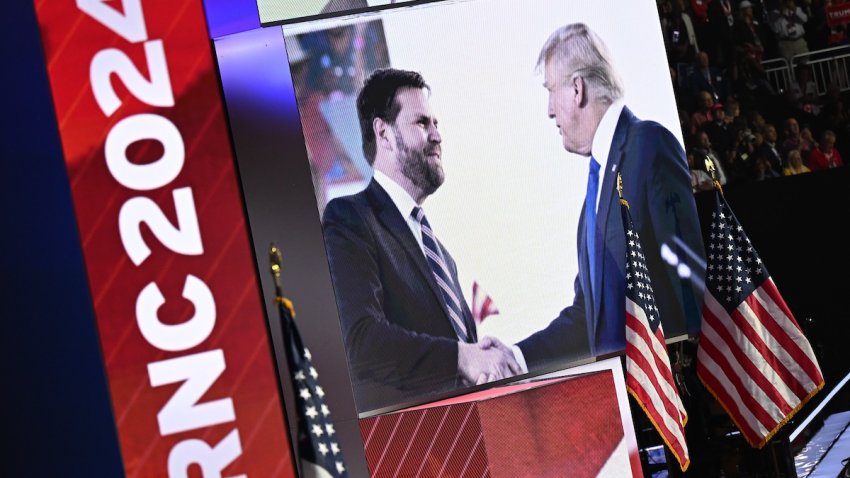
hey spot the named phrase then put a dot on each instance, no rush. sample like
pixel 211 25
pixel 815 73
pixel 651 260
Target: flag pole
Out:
pixel 623 202
pixel 276 260
pixel 286 311
pixel 649 378
pixel 319 452
pixel 709 166
pixel 753 356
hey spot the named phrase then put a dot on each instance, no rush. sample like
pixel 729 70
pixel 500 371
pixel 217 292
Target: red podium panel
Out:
pixel 558 427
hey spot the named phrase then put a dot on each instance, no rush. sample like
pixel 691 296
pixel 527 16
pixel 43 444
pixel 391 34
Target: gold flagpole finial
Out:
pixel 709 166
pixel 276 260
pixel 620 190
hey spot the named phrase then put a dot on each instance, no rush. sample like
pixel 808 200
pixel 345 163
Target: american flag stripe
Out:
pixel 712 377
pixel 761 388
pixel 775 355
pixel 722 333
pixel 724 364
pixel 671 432
pixel 792 337
pixel 649 349
pixel 661 386
pixel 647 389
pixel 483 305
pixel 766 350
pixel 487 305
pixel 664 412
pixel 648 376
pixel 752 356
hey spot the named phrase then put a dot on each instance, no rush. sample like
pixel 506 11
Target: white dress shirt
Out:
pixel 599 149
pixel 404 202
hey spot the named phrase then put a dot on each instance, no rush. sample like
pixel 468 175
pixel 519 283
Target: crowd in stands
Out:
pixel 730 111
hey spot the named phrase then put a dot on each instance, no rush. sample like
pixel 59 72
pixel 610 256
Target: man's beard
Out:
pixel 422 170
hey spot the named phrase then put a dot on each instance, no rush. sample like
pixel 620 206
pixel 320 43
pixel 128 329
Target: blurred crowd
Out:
pixel 328 67
pixel 749 125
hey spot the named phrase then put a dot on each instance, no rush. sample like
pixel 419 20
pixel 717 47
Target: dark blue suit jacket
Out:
pixel 395 325
pixel 656 183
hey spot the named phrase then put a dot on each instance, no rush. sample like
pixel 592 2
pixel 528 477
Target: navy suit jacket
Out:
pixel 656 183
pixel 395 325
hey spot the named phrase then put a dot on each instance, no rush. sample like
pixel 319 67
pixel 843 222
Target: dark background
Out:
pixel 55 415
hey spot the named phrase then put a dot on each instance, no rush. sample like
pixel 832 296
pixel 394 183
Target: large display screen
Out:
pixel 484 114
pixel 279 11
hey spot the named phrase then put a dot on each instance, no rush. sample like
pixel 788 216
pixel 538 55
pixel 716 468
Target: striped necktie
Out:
pixel 590 219
pixel 441 274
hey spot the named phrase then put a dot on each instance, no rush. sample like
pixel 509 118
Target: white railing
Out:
pixel 829 67
pixel 778 73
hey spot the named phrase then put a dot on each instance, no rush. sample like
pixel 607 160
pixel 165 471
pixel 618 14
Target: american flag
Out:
pixel 318 446
pixel 752 355
pixel 482 304
pixel 648 376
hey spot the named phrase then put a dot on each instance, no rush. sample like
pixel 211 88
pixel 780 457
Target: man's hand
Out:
pixel 486 361
pixel 492 342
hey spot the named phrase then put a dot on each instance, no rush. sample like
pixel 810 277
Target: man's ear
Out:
pixel 384 138
pixel 580 89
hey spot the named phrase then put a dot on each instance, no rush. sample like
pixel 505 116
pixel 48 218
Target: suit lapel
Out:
pixel 396 224
pixel 608 197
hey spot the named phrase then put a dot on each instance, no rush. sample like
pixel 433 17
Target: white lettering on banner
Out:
pixel 198 372
pixel 155 92
pixel 184 239
pixel 181 336
pixel 142 127
pixel 211 460
pixel 130 25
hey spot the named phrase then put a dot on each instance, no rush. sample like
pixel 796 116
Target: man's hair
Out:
pixel 582 53
pixel 377 99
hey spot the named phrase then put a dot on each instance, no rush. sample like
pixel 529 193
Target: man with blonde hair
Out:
pixel 586 102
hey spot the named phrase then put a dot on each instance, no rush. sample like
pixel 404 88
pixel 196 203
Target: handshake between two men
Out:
pixel 486 361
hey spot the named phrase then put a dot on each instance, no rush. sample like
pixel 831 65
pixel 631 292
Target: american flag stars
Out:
pixel 648 375
pixel 753 356
pixel 638 276
pixel 317 450
pixel 319 430
pixel 734 269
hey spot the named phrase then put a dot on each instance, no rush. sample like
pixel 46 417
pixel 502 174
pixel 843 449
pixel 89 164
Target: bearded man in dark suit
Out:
pixel 407 328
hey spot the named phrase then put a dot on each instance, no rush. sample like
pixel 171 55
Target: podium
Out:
pixel 565 426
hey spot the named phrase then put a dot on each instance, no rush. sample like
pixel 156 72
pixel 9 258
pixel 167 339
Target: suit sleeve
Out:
pixel 378 349
pixel 671 215
pixel 563 340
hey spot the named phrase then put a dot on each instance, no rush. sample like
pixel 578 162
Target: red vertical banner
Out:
pixel 160 215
